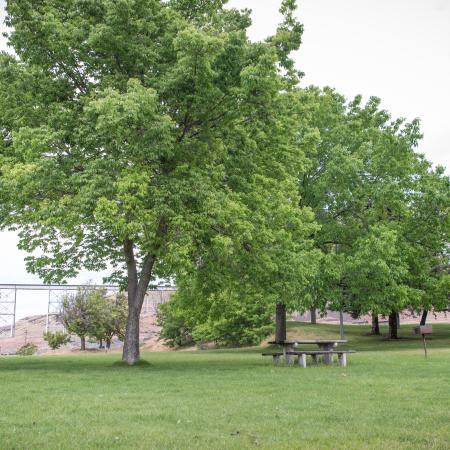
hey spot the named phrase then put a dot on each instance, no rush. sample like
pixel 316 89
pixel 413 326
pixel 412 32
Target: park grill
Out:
pixel 423 330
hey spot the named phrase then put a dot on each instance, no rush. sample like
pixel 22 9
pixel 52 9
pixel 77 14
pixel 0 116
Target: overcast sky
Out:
pixel 398 50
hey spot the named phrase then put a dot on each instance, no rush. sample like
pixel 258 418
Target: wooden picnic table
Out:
pixel 325 345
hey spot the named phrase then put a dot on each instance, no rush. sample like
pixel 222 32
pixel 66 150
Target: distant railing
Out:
pixel 56 294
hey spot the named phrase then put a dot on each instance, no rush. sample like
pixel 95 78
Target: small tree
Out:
pixel 117 319
pixel 55 340
pixel 76 315
pixel 97 308
pixel 91 312
pixel 108 316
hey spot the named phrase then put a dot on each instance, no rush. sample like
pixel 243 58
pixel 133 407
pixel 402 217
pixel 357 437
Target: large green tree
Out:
pixel 145 137
pixel 427 229
pixel 383 211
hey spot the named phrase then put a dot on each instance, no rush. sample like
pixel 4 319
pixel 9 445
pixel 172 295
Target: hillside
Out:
pixel 31 329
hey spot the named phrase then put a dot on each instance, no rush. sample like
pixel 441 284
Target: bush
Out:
pixel 234 331
pixel 55 340
pixel 27 349
pixel 174 329
pixel 227 319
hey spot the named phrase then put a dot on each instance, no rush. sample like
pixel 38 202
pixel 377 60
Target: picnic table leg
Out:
pixel 288 358
pixel 342 359
pixel 314 359
pixel 302 360
pixel 328 359
pixel 276 359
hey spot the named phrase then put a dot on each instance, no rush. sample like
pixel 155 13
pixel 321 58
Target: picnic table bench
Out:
pixel 326 346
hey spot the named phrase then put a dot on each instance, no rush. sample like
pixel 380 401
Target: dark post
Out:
pixel 280 322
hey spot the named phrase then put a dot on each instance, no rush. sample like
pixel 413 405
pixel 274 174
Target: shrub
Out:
pixel 227 319
pixel 174 329
pixel 55 340
pixel 27 349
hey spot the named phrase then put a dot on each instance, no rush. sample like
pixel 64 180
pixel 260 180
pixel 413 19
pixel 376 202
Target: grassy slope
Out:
pixel 388 397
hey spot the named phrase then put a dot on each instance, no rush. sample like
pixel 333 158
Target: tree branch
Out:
pixel 149 260
pixel 128 250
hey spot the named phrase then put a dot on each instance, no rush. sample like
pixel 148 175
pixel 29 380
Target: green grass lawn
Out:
pixel 388 397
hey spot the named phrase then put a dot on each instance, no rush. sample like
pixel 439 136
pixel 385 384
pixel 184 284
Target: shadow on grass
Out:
pixel 224 360
pixel 140 364
pixel 209 364
pixel 207 361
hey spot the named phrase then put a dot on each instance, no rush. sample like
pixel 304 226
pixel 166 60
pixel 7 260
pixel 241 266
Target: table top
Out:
pixel 311 341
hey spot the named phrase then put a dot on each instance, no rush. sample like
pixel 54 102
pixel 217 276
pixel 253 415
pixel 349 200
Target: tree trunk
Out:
pixel 137 288
pixel 108 343
pixel 280 321
pixel 100 344
pixel 131 351
pixel 313 315
pixel 341 325
pixel 83 343
pixel 393 326
pixel 423 319
pixel 375 325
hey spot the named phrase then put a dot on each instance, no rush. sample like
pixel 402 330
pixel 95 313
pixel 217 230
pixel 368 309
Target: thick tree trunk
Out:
pixel 83 343
pixel 100 344
pixel 137 288
pixel 280 321
pixel 375 325
pixel 108 343
pixel 423 319
pixel 393 326
pixel 131 351
pixel 313 315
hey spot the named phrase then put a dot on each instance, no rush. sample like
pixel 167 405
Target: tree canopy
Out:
pixel 153 139
pixel 146 136
pixel 382 209
pixel 382 224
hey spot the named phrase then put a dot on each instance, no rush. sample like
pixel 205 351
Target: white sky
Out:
pixel 398 50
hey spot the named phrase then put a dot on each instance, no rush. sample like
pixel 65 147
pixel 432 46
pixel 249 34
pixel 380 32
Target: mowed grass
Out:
pixel 388 397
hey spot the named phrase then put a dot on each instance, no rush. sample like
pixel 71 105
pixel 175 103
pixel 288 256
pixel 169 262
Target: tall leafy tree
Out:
pixel 371 192
pixel 427 229
pixel 145 136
